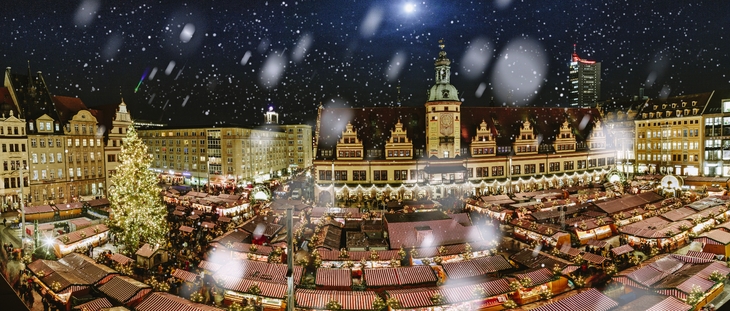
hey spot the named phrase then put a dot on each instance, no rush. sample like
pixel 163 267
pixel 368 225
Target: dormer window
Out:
pixel 694 103
pixel 674 105
pixel 684 104
pixel 664 106
pixel 669 113
pixel 656 106
pixel 695 111
pixel 686 111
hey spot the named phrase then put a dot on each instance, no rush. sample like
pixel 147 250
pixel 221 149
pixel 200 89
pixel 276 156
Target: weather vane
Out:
pixel 441 43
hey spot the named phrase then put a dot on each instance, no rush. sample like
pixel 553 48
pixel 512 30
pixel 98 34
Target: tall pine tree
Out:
pixel 137 211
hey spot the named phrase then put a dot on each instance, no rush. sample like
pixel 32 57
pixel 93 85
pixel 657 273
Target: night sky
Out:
pixel 226 61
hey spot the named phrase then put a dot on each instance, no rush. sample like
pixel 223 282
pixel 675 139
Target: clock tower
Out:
pixel 443 122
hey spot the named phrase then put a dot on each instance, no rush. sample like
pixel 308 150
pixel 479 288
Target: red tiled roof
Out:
pixel 95 305
pixel 185 275
pixel 67 107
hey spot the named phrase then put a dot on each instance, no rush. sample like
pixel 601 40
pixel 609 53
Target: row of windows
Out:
pixel 691 145
pixel 382 175
pixel 42 141
pixel 82 142
pixel 399 153
pixel 666 157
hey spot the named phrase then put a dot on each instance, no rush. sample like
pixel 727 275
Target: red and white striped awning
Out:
pixel 334 277
pixel 273 290
pixel 687 285
pixel 381 277
pixel 185 275
pixel 627 281
pixel 672 292
pixel 121 258
pixel 349 300
pixel 210 266
pixel 623 249
pixel 159 301
pixel 670 304
pixel 124 289
pixel 491 264
pixel 591 299
pixel 702 255
pixel 414 297
pixel 715 266
pixel 690 259
pixel 538 277
pixel 72 289
pixel 496 287
pixel 95 305
pixel 706 241
pixel 461 269
pixel 415 275
pixel 185 229
pixel 593 258
pixel 646 276
pixel 569 269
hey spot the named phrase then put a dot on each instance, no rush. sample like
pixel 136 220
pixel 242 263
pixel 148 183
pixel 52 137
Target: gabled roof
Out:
pixel 373 124
pixel 67 107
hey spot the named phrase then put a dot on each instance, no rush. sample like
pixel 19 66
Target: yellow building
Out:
pixel 446 149
pixel 14 155
pixel 47 155
pixel 670 133
pixel 84 157
pixel 225 155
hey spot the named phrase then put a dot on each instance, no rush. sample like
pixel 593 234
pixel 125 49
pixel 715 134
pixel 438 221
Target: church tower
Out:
pixel 442 112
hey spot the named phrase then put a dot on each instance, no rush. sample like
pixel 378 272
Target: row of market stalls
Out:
pixel 52 212
pixel 676 275
pixel 79 276
pixel 222 204
pixel 676 226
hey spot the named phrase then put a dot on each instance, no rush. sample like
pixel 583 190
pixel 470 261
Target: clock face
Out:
pixel 447 124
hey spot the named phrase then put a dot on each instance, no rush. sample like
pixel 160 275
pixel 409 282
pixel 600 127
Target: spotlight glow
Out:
pixel 409 7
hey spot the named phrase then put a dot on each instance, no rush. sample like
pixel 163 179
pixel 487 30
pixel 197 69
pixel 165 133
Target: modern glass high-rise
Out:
pixel 585 81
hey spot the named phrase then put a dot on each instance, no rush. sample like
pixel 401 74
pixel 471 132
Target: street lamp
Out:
pixel 22 206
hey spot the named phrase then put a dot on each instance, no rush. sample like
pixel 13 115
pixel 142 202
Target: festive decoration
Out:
pixel 55 286
pixel 526 282
pixel 695 295
pixel 393 303
pixel 196 297
pixel 438 299
pixel 137 212
pixel 579 281
pixel 717 277
pixel 509 304
pixel 333 305
pixel 378 304
pixel 254 289
pixel 479 292
pixel 546 293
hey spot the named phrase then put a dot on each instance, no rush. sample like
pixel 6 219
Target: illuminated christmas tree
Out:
pixel 137 212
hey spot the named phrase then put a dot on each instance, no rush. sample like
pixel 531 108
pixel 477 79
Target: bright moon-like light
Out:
pixel 409 7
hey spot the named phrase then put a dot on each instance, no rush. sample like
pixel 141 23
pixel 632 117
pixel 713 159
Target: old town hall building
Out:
pixel 445 149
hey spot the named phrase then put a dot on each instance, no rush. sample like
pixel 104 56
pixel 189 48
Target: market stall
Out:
pixel 591 299
pixel 163 301
pixel 68 243
pixel 149 256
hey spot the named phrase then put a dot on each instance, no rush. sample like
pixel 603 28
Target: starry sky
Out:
pixel 226 62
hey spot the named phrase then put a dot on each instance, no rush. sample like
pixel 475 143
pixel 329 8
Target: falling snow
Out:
pixel 227 62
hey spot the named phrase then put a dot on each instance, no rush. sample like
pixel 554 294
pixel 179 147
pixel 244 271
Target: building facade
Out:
pixel 46 149
pixel 444 149
pixel 84 157
pixel 113 146
pixel 585 81
pixel 226 155
pixel 14 156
